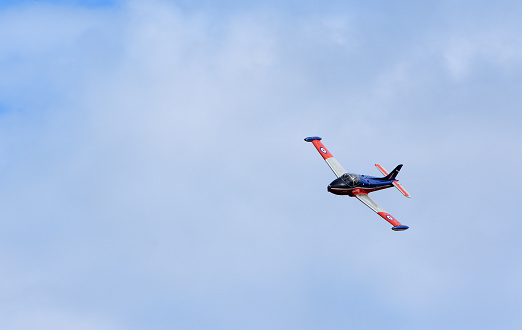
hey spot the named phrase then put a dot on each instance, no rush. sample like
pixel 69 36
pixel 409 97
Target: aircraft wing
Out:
pixel 334 165
pixel 397 226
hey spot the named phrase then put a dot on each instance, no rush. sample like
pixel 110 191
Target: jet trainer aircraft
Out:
pixel 359 186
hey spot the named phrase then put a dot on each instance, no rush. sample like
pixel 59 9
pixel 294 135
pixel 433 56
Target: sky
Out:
pixel 153 173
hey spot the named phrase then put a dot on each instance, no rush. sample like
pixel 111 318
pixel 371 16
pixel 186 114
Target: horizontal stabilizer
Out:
pixel 401 189
pixel 395 183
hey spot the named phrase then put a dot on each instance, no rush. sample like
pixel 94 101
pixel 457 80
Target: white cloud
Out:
pixel 467 52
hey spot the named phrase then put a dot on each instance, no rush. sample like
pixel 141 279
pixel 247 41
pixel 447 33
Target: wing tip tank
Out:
pixel 311 138
pixel 400 228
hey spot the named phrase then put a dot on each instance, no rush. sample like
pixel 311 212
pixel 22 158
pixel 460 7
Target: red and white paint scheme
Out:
pixel 359 186
pixel 330 160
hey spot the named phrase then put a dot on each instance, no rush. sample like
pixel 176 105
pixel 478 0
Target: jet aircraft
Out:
pixel 359 186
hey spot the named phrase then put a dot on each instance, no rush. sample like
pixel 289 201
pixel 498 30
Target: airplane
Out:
pixel 359 186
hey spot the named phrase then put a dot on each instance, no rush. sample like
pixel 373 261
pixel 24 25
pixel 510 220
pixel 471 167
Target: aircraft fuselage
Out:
pixel 349 183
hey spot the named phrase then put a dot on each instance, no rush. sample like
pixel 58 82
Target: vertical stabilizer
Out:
pixel 393 173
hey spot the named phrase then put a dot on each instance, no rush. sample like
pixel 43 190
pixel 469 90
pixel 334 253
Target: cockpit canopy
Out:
pixel 351 179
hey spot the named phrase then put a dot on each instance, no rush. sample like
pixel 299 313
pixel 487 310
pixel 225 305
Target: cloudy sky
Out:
pixel 153 173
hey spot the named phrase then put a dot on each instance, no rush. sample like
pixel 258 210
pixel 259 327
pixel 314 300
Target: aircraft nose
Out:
pixel 337 184
pixel 339 187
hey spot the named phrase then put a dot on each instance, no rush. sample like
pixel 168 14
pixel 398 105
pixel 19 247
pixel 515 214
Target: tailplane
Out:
pixel 391 176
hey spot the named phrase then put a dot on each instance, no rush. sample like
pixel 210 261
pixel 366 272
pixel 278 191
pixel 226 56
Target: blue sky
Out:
pixel 154 173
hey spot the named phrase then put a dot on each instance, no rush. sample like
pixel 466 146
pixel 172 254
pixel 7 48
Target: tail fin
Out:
pixel 393 173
